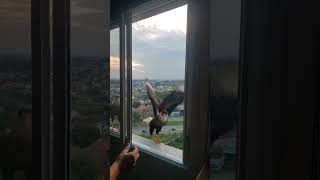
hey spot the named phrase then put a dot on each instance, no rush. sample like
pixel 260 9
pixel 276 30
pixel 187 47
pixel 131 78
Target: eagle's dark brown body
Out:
pixel 162 110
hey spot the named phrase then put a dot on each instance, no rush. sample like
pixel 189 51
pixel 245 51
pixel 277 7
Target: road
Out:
pixel 164 130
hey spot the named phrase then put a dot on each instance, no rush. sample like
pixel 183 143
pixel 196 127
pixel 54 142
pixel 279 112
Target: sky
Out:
pixel 158 46
pixel 158 43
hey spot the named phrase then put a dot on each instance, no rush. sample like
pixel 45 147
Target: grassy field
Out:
pixel 175 123
pixel 172 139
pixel 171 122
pixel 116 124
pixel 175 118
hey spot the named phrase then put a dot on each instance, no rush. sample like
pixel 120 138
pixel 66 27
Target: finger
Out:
pixel 136 157
pixel 135 151
pixel 126 149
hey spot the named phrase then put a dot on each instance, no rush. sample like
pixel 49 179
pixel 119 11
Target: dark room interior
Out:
pixel 159 89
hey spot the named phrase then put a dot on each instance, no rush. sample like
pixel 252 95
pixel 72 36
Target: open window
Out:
pixel 163 46
pixel 158 61
pixel 151 45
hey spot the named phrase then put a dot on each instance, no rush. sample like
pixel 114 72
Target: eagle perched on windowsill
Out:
pixel 162 110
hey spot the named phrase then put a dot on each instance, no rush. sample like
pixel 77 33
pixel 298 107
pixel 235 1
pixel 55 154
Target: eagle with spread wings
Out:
pixel 162 110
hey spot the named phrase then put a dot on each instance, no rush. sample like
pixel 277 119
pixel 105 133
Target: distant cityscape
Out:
pixel 140 100
pixel 15 83
pixel 89 94
pixel 88 87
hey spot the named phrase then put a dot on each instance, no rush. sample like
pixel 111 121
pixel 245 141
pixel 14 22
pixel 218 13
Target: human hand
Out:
pixel 125 152
pixel 127 160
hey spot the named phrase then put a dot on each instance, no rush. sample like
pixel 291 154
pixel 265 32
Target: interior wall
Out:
pixel 197 83
pixel 224 60
pixel 278 91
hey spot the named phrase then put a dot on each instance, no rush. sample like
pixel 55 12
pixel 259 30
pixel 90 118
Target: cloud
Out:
pixel 115 67
pixel 137 68
pixel 114 62
pixel 160 49
pixel 173 20
pixel 114 42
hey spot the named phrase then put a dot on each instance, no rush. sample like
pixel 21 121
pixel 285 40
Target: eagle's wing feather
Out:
pixel 154 99
pixel 175 98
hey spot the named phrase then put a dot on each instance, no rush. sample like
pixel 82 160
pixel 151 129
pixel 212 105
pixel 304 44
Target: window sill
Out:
pixel 162 150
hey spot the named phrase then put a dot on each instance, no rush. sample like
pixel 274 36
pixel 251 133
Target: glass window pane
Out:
pixel 114 107
pixel 15 90
pixel 88 89
pixel 224 98
pixel 158 50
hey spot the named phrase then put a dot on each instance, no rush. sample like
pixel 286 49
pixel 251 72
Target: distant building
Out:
pixel 147 120
pixel 180 109
pixel 145 110
pixel 175 114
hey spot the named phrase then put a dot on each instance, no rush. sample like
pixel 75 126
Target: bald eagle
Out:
pixel 162 110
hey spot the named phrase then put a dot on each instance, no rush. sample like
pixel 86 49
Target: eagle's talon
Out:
pixel 157 139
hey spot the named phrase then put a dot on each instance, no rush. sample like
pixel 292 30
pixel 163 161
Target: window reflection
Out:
pixel 88 89
pixel 15 90
pixel 224 99
pixel 114 107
